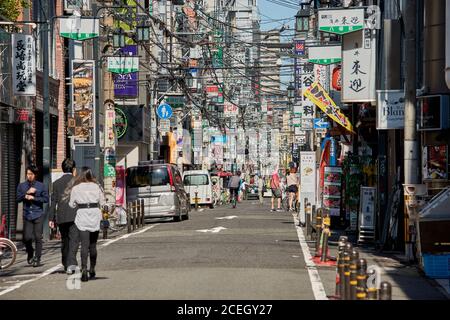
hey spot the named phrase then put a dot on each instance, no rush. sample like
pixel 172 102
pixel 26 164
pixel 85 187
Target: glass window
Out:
pixel 147 176
pixel 196 180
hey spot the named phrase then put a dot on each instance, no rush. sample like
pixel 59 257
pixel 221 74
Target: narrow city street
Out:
pixel 245 253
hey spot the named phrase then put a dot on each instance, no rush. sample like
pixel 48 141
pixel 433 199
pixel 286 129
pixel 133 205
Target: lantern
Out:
pixel 337 79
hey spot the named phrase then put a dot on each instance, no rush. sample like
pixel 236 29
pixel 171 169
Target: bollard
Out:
pixel 361 279
pixel 353 273
pixel 134 214
pixel 385 291
pixel 325 234
pixel 196 200
pixel 340 266
pixel 346 282
pixel 142 213
pixel 318 231
pixel 130 206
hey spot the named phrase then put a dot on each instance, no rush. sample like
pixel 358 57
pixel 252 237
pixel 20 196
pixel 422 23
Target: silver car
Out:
pixel 161 187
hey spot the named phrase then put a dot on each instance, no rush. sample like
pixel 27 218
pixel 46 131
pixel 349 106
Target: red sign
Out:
pixel 22 115
pixel 337 79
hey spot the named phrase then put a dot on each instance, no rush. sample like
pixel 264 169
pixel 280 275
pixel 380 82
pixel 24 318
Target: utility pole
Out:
pixel 46 108
pixel 411 148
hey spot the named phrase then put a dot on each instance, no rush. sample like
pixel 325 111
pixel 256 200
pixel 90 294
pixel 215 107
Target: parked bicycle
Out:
pixel 8 253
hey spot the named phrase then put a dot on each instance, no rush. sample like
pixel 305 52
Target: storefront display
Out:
pixel 435 159
pixel 332 190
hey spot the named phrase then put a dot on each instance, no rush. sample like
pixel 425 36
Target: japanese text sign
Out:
pixel 321 99
pixel 325 54
pixel 358 68
pixel 341 21
pixel 23 65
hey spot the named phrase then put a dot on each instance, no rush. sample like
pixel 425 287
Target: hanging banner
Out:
pixel 120 185
pixel 78 28
pixel 307 180
pixel 359 67
pixel 126 84
pixel 83 101
pixel 322 75
pixel 320 97
pixel 325 55
pixel 341 21
pixel 299 47
pixel 23 65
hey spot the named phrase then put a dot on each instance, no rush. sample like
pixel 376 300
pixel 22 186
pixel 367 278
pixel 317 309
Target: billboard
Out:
pixel 126 85
pixel 23 65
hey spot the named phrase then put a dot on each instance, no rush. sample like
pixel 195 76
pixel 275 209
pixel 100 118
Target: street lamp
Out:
pixel 143 32
pixel 291 92
pixel 302 19
pixel 119 39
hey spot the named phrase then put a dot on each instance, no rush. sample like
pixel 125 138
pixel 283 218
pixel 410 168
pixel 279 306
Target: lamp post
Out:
pixel 302 19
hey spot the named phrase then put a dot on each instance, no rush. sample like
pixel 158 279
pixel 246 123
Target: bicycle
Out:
pixel 234 195
pixel 111 219
pixel 8 253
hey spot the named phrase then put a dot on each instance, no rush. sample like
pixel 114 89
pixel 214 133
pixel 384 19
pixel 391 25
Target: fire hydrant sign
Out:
pixel 340 21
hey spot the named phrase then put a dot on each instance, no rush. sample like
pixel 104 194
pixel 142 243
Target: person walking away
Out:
pixel 234 184
pixel 261 189
pixel 276 190
pixel 292 184
pixel 63 216
pixel 87 197
pixel 33 194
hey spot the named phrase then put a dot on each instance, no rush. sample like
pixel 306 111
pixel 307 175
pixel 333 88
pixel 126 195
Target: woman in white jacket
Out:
pixel 87 196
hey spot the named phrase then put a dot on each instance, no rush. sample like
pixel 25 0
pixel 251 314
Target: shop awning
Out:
pixel 438 207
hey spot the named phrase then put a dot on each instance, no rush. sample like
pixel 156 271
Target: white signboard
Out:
pixel 307 181
pixel 164 126
pixel 322 75
pixel 230 109
pixel 78 28
pixel 325 54
pixel 23 65
pixel 367 208
pixel 390 109
pixel 341 21
pixel 359 67
pixel 123 64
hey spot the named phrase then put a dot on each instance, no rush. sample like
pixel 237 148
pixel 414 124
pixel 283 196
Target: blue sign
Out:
pixel 320 124
pixel 299 47
pixel 164 111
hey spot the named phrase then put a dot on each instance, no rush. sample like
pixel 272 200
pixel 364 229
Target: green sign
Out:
pixel 78 28
pixel 121 123
pixel 109 170
pixel 175 101
pixel 123 64
pixel 325 54
pixel 341 21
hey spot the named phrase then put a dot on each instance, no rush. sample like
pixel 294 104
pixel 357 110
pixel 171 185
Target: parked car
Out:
pixel 199 181
pixel 161 187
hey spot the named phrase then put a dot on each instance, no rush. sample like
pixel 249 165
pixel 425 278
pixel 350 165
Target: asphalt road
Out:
pixel 252 254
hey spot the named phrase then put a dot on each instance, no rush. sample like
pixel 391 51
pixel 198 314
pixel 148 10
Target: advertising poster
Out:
pixel 332 190
pixel 307 181
pixel 367 208
pixel 83 97
pixel 435 162
pixel 120 185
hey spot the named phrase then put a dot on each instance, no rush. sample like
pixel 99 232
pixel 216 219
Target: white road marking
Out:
pixel 59 266
pixel 213 230
pixel 314 277
pixel 128 235
pixel 226 218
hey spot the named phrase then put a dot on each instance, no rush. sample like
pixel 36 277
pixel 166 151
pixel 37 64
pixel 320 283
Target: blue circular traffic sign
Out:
pixel 164 111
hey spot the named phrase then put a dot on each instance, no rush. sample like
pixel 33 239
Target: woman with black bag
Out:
pixel 87 196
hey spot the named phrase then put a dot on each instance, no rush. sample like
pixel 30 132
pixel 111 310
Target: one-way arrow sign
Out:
pixel 320 124
pixel 213 230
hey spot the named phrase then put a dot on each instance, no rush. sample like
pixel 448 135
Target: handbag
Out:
pixel 277 193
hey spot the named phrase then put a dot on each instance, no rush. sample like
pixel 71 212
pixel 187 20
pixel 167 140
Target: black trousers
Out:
pixel 70 240
pixel 88 248
pixel 33 229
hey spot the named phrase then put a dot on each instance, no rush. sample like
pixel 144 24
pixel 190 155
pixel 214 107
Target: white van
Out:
pixel 199 181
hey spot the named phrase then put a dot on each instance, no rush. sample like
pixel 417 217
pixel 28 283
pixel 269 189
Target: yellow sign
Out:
pixel 320 98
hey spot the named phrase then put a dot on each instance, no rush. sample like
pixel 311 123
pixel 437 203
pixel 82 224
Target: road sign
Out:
pixel 164 111
pixel 320 124
pixel 164 126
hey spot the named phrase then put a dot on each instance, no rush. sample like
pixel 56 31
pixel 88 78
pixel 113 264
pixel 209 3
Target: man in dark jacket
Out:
pixel 33 194
pixel 64 215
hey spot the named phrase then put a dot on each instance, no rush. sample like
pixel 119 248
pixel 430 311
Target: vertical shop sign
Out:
pixel 307 180
pixel 23 65
pixel 359 67
pixel 332 190
pixel 435 162
pixel 126 84
pixel 83 97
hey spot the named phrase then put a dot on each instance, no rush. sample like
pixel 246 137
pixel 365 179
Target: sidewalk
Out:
pixel 408 281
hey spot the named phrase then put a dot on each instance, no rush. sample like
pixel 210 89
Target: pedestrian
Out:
pixel 276 190
pixel 234 184
pixel 261 189
pixel 63 216
pixel 292 184
pixel 87 197
pixel 33 194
